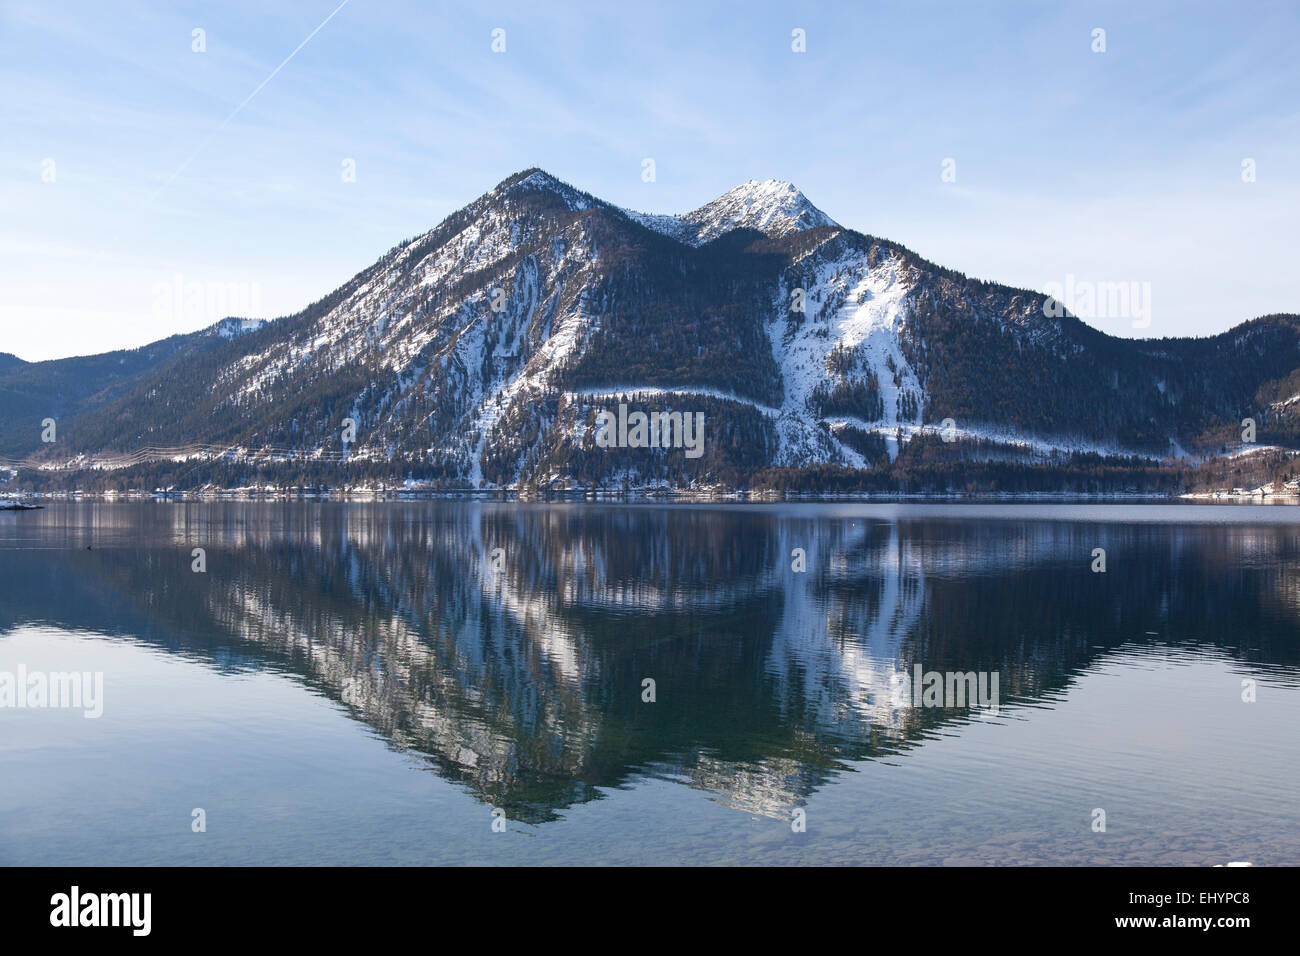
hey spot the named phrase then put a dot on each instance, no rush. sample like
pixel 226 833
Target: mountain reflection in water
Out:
pixel 524 684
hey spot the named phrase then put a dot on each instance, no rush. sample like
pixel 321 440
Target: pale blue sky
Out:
pixel 1115 166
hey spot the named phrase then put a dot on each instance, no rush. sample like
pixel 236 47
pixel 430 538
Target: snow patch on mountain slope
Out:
pixel 1035 444
pixel 869 321
pixel 375 318
pixel 234 328
pixel 859 308
pixel 568 333
pixel 636 392
pixel 480 245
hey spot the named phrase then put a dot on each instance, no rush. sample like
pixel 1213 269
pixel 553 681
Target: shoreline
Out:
pixel 19 501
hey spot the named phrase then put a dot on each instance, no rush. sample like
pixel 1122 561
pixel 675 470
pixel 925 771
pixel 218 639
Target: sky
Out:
pixel 148 187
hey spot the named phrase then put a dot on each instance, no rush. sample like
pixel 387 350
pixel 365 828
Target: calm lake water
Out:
pixel 365 683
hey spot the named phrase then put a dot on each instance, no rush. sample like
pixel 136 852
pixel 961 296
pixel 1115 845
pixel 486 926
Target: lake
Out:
pixel 454 682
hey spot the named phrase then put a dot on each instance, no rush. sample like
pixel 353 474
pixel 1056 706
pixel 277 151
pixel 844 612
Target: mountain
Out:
pixel 483 352
pixel 63 389
pixel 772 207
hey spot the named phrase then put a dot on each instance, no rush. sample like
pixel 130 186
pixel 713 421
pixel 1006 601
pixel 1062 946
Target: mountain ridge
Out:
pixel 479 353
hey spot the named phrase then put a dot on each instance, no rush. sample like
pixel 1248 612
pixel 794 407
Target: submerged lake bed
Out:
pixel 465 682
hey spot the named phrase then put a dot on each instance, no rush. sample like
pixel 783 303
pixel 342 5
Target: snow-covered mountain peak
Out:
pixel 539 180
pixel 772 206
